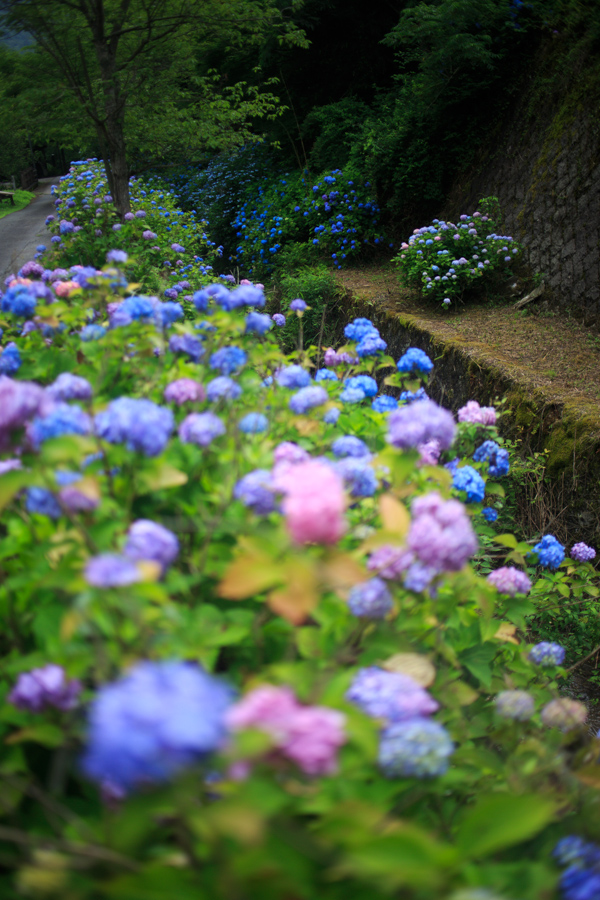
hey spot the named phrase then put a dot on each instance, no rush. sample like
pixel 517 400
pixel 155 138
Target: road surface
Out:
pixel 22 231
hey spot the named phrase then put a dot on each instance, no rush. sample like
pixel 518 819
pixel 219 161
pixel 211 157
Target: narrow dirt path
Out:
pixel 22 231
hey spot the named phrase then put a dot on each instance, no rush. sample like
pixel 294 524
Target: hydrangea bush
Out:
pixel 448 259
pixel 244 650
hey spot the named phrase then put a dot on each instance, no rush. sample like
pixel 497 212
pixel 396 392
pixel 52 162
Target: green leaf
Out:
pixel 45 733
pixel 160 476
pixel 477 660
pixel 507 540
pixel 11 483
pixel 502 820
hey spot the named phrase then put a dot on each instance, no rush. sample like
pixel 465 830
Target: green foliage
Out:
pixel 21 198
pixel 320 323
pixel 331 131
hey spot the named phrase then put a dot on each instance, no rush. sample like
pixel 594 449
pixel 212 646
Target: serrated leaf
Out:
pixel 506 540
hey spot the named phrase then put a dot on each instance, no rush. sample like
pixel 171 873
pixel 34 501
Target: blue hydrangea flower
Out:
pixel 371 599
pixel 228 360
pixel 256 491
pixel 326 375
pixel 517 705
pixel 92 332
pixel 147 540
pixel 259 323
pixel 371 344
pixel 419 576
pixel 62 419
pixel 19 301
pixel 10 359
pixel 331 416
pixel 547 654
pixel 222 388
pixel 364 383
pixel 42 502
pixel 142 425
pixel 384 403
pixel 298 305
pixel 357 329
pixel 308 398
pixel 349 445
pixel 279 319
pixel 489 513
pixel 70 387
pixel 573 850
pixel 580 884
pixel 188 344
pixel 358 476
pixel 415 748
pixel 253 423
pixel 167 313
pixel 550 552
pixel 201 429
pixel 497 458
pixel 414 358
pixel 352 395
pixel 469 480
pixel 156 720
pixel 412 396
pixel 293 377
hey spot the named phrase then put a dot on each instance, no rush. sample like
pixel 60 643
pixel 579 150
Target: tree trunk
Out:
pixel 118 164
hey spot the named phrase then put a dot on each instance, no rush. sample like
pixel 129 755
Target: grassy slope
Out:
pixel 22 198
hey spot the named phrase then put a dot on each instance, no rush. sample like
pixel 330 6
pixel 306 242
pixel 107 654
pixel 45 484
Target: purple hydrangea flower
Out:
pixel 279 320
pixel 510 581
pixel 416 748
pixel 153 722
pixel 390 562
pixel 222 388
pixel 149 540
pixel 419 576
pixel 469 480
pixel 293 377
pixel 297 305
pixel 517 705
pixel 184 390
pixel 421 422
pixel 142 425
pixel 188 344
pixel 308 398
pixel 177 248
pixel 19 401
pixel 390 695
pixel 42 502
pixel 582 553
pixel 148 235
pixel 70 387
pixel 253 423
pixel 228 360
pixel 547 654
pixel 201 429
pixel 116 256
pixel 289 452
pixel 440 534
pixel 414 358
pixel 550 552
pixel 109 570
pixel 48 686
pixel 349 445
pixel 32 269
pixel 256 491
pixel 371 599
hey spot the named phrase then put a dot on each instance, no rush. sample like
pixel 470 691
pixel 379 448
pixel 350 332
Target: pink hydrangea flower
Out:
pixel 314 503
pixel 65 288
pixel 476 414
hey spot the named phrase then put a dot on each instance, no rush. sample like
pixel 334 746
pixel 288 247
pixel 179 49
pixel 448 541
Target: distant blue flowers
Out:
pixel 416 747
pixel 547 654
pixel 496 456
pixel 142 425
pixel 228 360
pixel 253 423
pixel 414 359
pixel 550 552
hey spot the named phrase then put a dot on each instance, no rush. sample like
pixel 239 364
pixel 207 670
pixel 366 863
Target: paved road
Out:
pixel 22 231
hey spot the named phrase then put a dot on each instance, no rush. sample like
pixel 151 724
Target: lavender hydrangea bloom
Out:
pixel 582 553
pixel 469 480
pixel 547 654
pixel 384 403
pixel 308 398
pixel 184 390
pixel 279 320
pixel 70 387
pixel 201 429
pixel 149 540
pixel 358 475
pixel 349 445
pixel 109 570
pixel 42 502
pixel 256 491
pixel 419 576
pixel 298 305
pixel 497 458
pixel 290 452
pixel 510 581
pixel 155 721
pixel 253 423
pixel 61 419
pixel 142 425
pixel 416 748
pixel 48 686
pixel 390 695
pixel 517 705
pixel 293 377
pixel 228 360
pixel 550 552
pixel 564 714
pixel 117 256
pixel 371 599
pixel 414 358
pixel 440 534
pixel 421 422
pixel 19 401
pixel 188 344
pixel 390 562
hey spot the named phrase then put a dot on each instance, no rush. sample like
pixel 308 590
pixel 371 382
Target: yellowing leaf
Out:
pixel 248 575
pixel 340 571
pixel 70 623
pixel 394 515
pixel 160 476
pixel 417 666
pixel 305 426
pixel 506 632
pixel 296 600
pixel 149 569
pixel 11 483
pixel 589 775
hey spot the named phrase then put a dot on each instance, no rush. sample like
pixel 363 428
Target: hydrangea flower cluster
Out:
pixel 582 553
pixel 368 340
pixel 419 423
pixel 48 686
pixel 510 581
pixel 547 653
pixel 142 425
pixel 517 705
pixel 370 600
pixel 581 878
pixel 475 414
pixel 550 552
pixel 495 456
pixel 469 480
